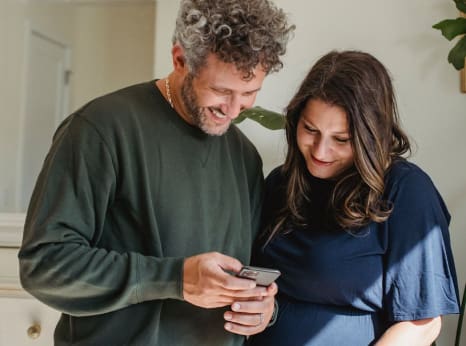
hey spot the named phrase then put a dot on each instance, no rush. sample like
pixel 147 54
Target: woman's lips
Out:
pixel 319 162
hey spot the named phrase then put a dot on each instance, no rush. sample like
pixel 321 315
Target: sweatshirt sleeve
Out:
pixel 60 263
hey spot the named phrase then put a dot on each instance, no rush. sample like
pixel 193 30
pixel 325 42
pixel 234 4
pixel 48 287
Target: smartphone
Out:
pixel 262 276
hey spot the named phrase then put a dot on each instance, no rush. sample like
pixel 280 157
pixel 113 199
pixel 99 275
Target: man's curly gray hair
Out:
pixel 243 32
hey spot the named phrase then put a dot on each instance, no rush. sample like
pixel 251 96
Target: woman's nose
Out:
pixel 321 148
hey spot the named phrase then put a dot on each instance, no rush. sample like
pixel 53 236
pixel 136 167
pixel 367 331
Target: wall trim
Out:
pixel 11 229
pixel 11 288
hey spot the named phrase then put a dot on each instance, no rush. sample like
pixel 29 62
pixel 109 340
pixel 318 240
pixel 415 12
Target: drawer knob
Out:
pixel 34 331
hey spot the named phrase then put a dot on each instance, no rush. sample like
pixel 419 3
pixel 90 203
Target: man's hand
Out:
pixel 206 284
pixel 251 316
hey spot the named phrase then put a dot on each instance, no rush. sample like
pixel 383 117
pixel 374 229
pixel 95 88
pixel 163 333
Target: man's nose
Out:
pixel 233 107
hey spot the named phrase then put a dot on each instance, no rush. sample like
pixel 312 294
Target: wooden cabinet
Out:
pixel 23 320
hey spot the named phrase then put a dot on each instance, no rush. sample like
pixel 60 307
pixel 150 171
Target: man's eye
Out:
pixel 221 92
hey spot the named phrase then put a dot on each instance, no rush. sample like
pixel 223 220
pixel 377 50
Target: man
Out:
pixel 148 197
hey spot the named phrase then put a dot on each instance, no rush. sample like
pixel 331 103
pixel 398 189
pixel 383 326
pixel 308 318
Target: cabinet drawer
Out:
pixel 25 321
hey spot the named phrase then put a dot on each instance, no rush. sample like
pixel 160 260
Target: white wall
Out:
pixel 6 178
pixel 111 47
pixel 16 18
pixel 399 33
pixel 114 48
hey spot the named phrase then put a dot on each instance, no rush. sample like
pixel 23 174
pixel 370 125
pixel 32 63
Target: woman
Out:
pixel 359 233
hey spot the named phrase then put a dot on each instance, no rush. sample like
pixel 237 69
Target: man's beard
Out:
pixel 197 113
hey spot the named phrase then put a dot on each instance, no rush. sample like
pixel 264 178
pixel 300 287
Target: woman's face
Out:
pixel 324 140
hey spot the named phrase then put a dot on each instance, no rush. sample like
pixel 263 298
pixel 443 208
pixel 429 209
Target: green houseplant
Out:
pixel 268 119
pixel 452 28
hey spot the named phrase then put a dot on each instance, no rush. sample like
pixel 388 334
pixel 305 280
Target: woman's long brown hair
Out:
pixel 359 84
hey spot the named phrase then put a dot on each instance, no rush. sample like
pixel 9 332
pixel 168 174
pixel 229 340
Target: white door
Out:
pixel 46 94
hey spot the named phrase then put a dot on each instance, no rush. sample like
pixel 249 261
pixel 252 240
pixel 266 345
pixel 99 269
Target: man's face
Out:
pixel 217 94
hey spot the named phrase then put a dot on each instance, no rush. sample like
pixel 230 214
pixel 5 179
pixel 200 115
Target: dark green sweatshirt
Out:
pixel 127 191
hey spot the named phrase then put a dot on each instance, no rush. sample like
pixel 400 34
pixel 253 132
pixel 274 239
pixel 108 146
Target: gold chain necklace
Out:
pixel 169 95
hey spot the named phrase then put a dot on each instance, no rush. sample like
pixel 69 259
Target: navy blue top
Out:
pixel 346 288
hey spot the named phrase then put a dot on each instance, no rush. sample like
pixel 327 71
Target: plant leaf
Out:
pixel 451 27
pixel 239 119
pixel 458 53
pixel 268 119
pixel 461 5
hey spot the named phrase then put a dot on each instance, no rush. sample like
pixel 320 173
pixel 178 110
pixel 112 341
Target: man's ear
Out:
pixel 178 59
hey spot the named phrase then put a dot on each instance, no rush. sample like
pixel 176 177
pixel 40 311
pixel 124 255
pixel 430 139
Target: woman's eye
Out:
pixel 342 140
pixel 310 129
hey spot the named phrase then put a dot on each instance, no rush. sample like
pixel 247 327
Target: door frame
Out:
pixel 29 31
